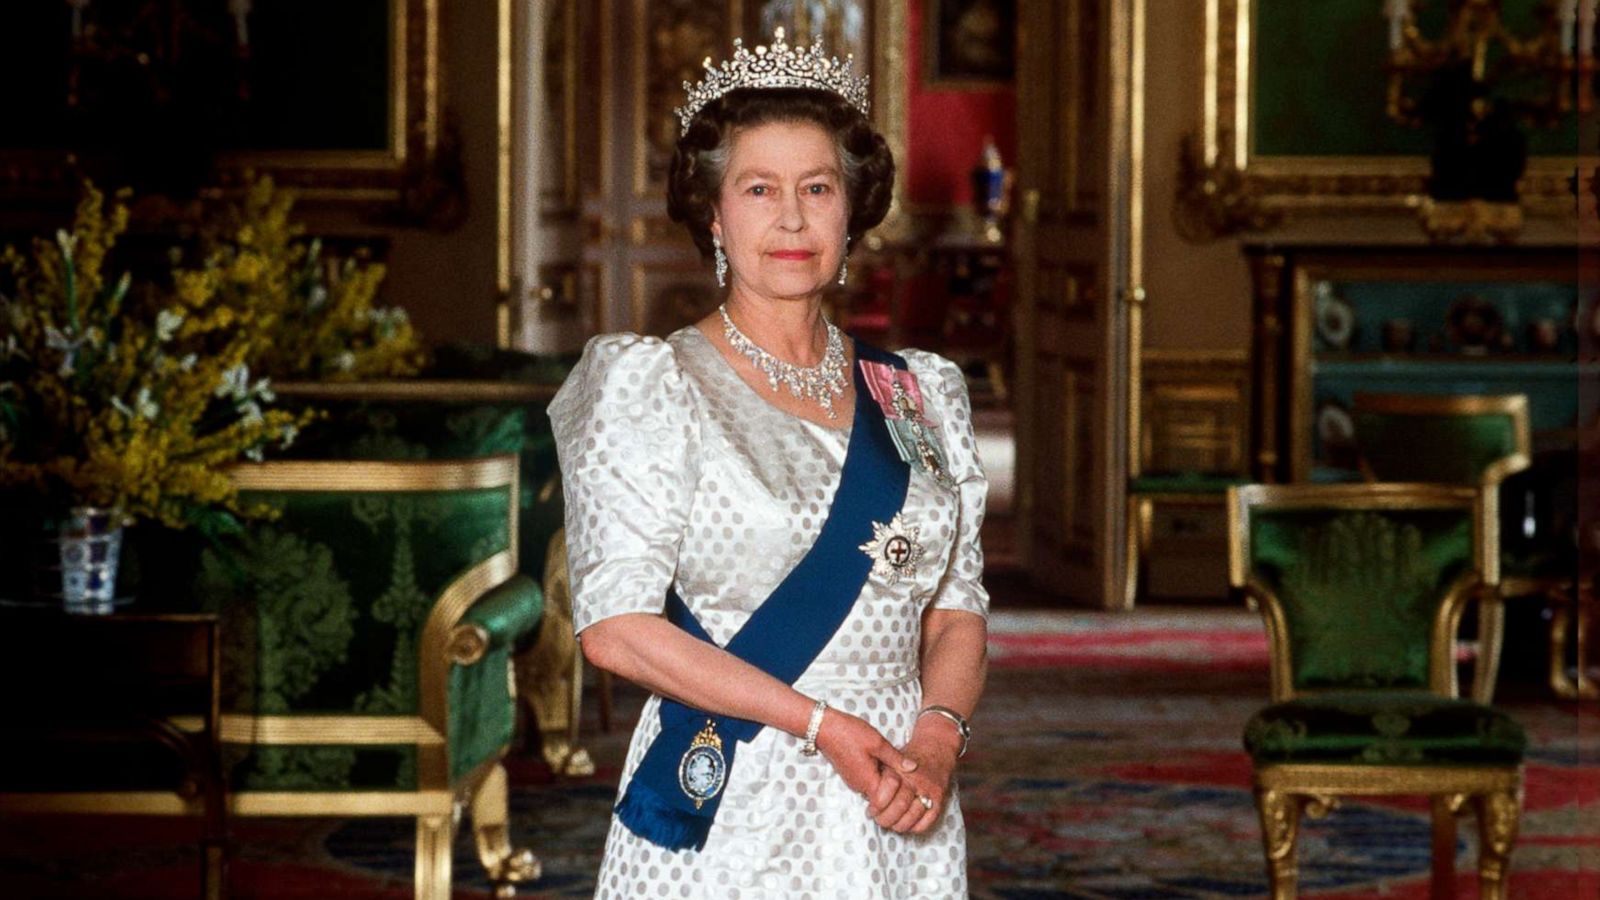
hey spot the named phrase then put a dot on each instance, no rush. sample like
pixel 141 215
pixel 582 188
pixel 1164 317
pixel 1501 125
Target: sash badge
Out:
pixel 703 770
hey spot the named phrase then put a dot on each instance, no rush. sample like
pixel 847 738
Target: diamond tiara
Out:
pixel 777 66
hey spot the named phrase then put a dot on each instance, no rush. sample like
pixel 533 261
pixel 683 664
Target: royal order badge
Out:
pixel 914 434
pixel 703 769
pixel 894 550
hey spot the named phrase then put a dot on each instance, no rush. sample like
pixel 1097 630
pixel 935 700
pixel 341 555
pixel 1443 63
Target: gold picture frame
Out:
pixel 1227 187
pixel 414 179
pixel 941 73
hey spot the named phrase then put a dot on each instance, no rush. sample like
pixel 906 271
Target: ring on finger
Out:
pixel 927 802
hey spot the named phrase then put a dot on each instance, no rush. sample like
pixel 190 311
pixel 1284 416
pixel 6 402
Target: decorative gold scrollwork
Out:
pixel 468 643
pixel 1280 826
pixel 1216 200
pixel 1470 221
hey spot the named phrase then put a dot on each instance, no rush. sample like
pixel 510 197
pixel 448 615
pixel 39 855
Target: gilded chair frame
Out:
pixel 551 688
pixel 1513 406
pixel 1565 602
pixel 445 641
pixel 1284 791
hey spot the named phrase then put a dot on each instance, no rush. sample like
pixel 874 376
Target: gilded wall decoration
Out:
pixel 677 36
pixel 843 26
pixel 559 193
pixel 668 296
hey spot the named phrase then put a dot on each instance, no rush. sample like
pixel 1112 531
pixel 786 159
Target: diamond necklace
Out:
pixel 821 382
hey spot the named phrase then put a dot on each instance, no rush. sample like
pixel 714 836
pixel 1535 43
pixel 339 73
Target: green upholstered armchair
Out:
pixel 1362 588
pixel 1482 440
pixel 1442 438
pixel 368 631
pixel 445 419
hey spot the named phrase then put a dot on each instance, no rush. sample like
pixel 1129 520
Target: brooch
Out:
pixel 914 434
pixel 894 550
pixel 703 769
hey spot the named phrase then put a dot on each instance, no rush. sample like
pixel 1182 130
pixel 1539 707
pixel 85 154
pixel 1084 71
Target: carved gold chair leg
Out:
pixel 1588 688
pixel 1497 832
pixel 1560 625
pixel 550 679
pixel 550 673
pixel 507 866
pixel 1280 827
pixel 434 837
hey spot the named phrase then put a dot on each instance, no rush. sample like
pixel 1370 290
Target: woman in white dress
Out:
pixel 701 470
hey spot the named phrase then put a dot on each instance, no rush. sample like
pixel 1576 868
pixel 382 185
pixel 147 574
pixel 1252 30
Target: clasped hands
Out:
pixel 892 780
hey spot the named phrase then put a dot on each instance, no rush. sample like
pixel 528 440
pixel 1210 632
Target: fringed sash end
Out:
pixel 648 815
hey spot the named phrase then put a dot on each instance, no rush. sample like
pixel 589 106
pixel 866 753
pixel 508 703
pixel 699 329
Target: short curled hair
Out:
pixel 695 180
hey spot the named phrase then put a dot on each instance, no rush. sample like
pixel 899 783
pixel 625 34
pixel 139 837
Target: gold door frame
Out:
pixel 1232 188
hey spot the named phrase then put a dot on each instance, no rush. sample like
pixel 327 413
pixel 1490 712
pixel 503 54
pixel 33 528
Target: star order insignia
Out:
pixel 894 550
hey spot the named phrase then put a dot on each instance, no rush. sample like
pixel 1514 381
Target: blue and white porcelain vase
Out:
pixel 91 549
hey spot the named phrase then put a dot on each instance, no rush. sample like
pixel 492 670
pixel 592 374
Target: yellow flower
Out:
pixel 122 398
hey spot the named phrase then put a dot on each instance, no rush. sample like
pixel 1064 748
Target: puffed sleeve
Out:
pixel 628 442
pixel 944 391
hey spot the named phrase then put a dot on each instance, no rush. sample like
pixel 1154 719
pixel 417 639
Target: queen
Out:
pixel 774 529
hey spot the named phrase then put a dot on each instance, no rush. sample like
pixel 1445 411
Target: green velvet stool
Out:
pixel 1362 588
pixel 368 630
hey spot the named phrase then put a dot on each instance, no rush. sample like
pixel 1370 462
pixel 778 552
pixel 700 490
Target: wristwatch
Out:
pixel 960 721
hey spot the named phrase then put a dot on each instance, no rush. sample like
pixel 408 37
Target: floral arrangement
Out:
pixel 108 399
pixel 319 312
pixel 137 396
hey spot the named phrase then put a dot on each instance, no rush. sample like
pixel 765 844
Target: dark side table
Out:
pixel 114 714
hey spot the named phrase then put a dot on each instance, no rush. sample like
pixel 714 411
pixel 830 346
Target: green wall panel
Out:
pixel 1320 81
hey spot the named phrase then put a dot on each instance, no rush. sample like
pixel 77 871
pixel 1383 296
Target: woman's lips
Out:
pixel 800 255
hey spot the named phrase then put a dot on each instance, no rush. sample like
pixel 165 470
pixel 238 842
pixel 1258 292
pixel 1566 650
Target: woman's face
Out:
pixel 782 213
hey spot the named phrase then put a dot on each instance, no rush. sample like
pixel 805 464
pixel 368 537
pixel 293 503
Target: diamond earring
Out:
pixel 722 263
pixel 844 261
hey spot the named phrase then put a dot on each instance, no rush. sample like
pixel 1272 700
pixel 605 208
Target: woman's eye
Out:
pixel 760 190
pixel 817 189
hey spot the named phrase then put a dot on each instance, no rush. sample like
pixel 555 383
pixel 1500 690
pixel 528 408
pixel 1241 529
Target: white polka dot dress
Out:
pixel 678 474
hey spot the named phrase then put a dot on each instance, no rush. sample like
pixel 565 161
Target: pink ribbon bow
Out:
pixel 881 380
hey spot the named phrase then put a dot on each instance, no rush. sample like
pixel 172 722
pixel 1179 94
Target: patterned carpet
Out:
pixel 1107 766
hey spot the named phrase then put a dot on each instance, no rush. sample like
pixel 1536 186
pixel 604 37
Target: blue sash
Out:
pixel 675 792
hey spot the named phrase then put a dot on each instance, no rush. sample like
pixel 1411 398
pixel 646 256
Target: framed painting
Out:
pixel 1294 118
pixel 338 100
pixel 969 44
